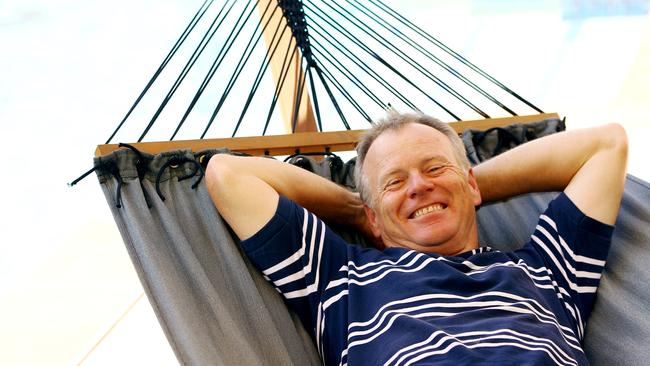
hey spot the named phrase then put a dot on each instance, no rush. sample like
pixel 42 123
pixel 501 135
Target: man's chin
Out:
pixel 442 246
pixel 422 246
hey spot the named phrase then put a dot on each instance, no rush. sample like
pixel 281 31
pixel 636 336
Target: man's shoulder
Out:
pixel 563 209
pixel 287 214
pixel 292 222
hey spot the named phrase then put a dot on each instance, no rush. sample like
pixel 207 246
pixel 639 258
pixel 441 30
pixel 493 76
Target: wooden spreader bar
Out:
pixel 302 141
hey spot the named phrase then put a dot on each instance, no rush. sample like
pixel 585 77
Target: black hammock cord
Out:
pixel 363 54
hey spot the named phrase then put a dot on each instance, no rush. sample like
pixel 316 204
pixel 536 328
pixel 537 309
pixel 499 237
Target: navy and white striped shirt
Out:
pixel 403 307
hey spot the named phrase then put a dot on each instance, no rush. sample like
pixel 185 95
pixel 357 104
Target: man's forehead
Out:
pixel 397 149
pixel 410 136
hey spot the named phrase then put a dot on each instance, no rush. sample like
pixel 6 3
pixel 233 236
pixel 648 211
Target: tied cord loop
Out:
pixel 335 164
pixel 141 166
pixel 112 168
pixel 115 171
pixel 298 159
pixel 203 158
pixel 298 153
pixel 334 161
pixel 178 160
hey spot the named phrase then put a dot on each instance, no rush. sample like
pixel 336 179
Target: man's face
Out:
pixel 421 198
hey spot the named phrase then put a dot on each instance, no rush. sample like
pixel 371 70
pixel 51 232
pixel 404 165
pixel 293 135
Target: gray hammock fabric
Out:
pixel 216 309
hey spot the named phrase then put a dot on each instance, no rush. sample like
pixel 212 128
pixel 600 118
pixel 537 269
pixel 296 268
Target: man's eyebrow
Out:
pixel 435 157
pixel 388 174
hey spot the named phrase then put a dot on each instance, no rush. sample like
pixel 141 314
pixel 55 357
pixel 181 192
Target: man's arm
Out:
pixel 245 191
pixel 588 164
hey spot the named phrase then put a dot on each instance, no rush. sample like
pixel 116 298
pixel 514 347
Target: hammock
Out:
pixel 213 306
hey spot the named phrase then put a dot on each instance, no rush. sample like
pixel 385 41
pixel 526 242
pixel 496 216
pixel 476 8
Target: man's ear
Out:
pixel 473 187
pixel 372 221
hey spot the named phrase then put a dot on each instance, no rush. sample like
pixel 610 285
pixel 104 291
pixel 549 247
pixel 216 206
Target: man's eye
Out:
pixel 393 183
pixel 435 168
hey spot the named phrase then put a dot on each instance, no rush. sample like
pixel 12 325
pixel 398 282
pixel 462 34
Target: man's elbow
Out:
pixel 219 174
pixel 613 153
pixel 616 140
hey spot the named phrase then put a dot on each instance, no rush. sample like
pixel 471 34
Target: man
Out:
pixel 432 296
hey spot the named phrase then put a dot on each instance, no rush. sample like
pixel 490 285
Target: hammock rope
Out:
pixel 278 88
pixel 315 97
pixel 338 27
pixel 403 56
pixel 346 95
pixel 190 27
pixel 312 23
pixel 363 66
pixel 230 40
pixel 350 36
pixel 258 77
pixel 207 37
pixel 204 84
pixel 408 40
pixel 362 53
pixel 250 47
pixel 403 20
pixel 327 56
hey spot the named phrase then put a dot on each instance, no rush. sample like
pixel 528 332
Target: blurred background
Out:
pixel 70 69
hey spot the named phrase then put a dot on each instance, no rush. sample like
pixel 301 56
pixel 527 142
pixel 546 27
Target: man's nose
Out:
pixel 419 184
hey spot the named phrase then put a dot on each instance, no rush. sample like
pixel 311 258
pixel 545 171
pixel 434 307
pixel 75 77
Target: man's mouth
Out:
pixel 428 209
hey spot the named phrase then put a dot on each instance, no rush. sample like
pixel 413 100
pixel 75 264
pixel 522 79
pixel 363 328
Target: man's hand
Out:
pixel 588 164
pixel 362 224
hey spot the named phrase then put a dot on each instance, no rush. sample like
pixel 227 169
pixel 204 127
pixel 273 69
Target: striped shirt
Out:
pixel 403 307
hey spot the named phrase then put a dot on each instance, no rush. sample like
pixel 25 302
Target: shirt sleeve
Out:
pixel 573 247
pixel 299 255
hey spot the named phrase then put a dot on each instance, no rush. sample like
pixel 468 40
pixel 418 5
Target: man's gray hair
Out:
pixel 393 122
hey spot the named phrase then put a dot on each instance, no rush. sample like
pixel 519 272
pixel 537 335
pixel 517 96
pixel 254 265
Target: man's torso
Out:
pixel 404 307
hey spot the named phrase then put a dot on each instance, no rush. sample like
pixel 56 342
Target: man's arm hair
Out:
pixel 245 190
pixel 588 164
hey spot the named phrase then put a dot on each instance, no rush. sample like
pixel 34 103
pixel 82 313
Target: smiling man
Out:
pixel 429 294
pixel 418 197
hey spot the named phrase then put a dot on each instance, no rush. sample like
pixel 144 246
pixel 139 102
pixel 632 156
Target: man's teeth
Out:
pixel 426 210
